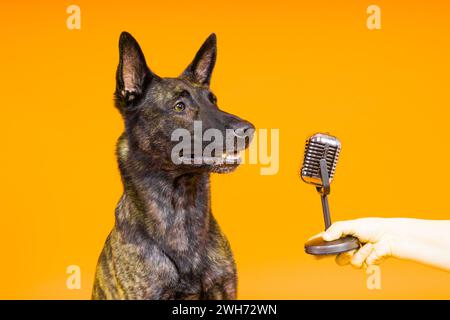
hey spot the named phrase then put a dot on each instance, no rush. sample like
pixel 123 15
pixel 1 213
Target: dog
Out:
pixel 165 243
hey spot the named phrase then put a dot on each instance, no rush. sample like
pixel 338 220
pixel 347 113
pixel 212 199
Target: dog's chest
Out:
pixel 199 278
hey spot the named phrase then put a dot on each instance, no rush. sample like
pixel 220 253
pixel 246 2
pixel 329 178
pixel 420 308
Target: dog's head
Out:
pixel 160 112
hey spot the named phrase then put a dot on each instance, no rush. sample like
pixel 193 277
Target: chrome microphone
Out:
pixel 319 166
pixel 320 146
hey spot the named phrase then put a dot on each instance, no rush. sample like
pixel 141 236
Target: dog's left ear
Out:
pixel 201 68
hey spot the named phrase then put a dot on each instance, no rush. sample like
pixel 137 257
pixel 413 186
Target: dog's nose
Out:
pixel 243 129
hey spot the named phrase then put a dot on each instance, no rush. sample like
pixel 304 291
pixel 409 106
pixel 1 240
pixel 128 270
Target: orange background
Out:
pixel 299 66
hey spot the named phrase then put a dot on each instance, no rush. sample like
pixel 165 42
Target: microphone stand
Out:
pixel 324 192
pixel 318 246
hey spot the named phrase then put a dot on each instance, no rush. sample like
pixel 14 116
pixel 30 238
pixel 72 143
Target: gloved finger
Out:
pixel 361 255
pixel 345 258
pixel 339 229
pixel 379 252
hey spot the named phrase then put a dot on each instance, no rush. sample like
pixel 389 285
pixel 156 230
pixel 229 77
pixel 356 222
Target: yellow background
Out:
pixel 299 66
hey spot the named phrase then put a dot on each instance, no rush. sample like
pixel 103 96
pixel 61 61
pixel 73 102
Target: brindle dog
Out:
pixel 165 243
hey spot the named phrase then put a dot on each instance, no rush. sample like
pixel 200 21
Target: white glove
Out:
pixel 425 241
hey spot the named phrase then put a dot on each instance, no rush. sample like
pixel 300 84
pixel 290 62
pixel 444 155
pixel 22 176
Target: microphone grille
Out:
pixel 317 147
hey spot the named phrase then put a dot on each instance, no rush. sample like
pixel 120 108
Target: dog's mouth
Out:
pixel 226 162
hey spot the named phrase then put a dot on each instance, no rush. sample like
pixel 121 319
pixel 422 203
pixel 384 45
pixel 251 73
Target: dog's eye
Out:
pixel 179 106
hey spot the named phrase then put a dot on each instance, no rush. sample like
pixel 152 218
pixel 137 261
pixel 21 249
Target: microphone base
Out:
pixel 318 246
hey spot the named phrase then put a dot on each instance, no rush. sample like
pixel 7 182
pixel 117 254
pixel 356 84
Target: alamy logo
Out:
pixel 373 281
pixel 374 18
pixel 74 19
pixel 73 281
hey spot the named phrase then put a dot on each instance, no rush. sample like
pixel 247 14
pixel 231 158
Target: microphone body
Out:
pixel 320 146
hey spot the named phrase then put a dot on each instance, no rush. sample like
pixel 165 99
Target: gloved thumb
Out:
pixel 338 230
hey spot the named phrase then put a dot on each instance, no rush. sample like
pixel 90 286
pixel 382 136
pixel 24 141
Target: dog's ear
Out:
pixel 132 72
pixel 201 68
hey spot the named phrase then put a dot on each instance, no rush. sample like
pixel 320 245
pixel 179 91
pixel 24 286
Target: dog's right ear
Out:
pixel 132 73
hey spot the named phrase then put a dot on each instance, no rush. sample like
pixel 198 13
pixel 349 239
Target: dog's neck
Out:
pixel 173 210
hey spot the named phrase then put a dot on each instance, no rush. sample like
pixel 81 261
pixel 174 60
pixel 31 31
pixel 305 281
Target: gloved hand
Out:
pixel 425 241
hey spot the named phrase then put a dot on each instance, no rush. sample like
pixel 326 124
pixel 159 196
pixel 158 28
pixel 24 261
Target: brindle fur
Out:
pixel 165 243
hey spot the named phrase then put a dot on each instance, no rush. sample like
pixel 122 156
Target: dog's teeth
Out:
pixel 230 158
pixel 225 158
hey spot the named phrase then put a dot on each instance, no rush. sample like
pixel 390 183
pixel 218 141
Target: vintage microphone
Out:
pixel 319 164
